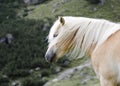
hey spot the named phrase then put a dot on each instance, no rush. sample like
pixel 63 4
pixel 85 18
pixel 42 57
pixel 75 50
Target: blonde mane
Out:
pixel 88 32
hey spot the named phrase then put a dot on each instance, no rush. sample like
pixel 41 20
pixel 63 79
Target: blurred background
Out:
pixel 24 26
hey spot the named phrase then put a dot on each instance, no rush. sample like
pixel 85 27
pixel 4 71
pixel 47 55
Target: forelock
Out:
pixel 53 30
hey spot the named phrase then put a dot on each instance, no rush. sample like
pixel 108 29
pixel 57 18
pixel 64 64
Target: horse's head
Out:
pixel 60 40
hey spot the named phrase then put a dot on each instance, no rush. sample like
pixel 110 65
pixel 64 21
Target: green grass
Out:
pixel 110 10
pixel 75 82
pixel 78 79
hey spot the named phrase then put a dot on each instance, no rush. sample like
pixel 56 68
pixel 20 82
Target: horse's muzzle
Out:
pixel 50 56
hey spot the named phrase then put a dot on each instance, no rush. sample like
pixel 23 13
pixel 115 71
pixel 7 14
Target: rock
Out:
pixel 16 83
pixel 95 9
pixel 15 4
pixel 56 5
pixel 37 68
pixel 29 2
pixel 102 2
pixel 66 62
pixel 112 6
pixel 39 75
pixel 58 69
pixel 9 38
pixel 31 71
pixel 2 40
pixel 69 73
pixel 5 76
pixel 44 78
pixel 32 2
pixel 54 10
pixel 64 1
pixel 45 27
pixel 7 17
pixel 84 81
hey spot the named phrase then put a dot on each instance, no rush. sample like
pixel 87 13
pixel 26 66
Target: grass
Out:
pixel 110 10
pixel 79 79
pixel 75 82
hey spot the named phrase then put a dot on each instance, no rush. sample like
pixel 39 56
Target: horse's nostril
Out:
pixel 50 57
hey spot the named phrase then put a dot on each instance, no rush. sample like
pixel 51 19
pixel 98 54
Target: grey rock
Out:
pixel 64 1
pixel 45 27
pixel 5 76
pixel 9 38
pixel 39 75
pixel 84 81
pixel 69 73
pixel 7 17
pixel 31 71
pixel 37 68
pixel 102 2
pixel 95 9
pixel 66 62
pixel 15 4
pixel 16 83
pixel 58 4
pixel 54 10
pixel 112 6
pixel 2 40
pixel 31 2
pixel 58 69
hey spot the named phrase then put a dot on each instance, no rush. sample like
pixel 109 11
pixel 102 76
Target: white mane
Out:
pixel 89 31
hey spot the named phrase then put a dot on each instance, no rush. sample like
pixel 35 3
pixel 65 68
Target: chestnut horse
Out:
pixel 98 38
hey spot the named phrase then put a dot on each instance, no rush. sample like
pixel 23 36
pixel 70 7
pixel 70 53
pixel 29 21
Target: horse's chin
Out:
pixel 53 60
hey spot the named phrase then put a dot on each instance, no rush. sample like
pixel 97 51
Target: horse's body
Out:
pixel 100 39
pixel 106 61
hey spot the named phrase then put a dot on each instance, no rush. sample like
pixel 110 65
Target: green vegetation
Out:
pixel 34 81
pixel 29 26
pixel 55 8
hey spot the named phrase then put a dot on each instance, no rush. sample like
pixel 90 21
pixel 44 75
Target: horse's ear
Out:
pixel 62 20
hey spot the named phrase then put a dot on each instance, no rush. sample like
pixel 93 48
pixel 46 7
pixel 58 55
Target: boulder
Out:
pixel 58 69
pixel 31 2
pixel 102 2
pixel 9 38
pixel 16 83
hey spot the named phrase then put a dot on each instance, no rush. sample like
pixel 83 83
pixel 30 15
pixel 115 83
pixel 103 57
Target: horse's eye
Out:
pixel 55 35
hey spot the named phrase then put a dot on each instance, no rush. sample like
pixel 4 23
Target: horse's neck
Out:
pixel 102 38
pixel 90 51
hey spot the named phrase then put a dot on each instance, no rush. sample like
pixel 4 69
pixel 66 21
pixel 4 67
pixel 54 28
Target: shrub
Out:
pixel 10 1
pixel 17 73
pixel 4 81
pixel 45 73
pixel 34 82
pixel 13 70
pixel 27 48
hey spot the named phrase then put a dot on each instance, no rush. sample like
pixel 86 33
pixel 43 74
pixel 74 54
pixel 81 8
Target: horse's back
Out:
pixel 106 58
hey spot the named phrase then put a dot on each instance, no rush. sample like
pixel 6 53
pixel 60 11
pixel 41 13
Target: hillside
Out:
pixel 22 60
pixel 55 8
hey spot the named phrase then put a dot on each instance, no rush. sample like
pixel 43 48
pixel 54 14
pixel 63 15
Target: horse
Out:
pixel 97 38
